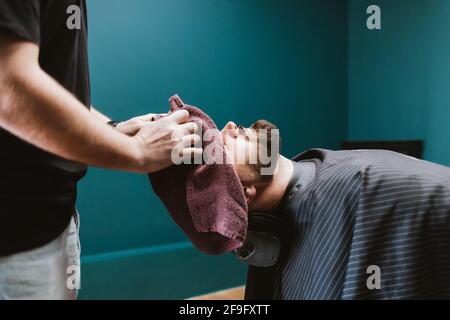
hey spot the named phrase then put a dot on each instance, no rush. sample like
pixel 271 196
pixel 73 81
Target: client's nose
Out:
pixel 230 125
pixel 230 129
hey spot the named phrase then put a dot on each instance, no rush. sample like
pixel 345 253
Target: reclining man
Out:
pixel 365 224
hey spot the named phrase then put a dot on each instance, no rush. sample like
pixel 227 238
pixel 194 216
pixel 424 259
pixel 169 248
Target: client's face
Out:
pixel 241 147
pixel 244 146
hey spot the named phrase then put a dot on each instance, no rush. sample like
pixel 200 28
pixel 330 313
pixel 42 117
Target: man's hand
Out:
pixel 156 141
pixel 134 125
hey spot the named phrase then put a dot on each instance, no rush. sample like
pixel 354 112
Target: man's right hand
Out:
pixel 155 142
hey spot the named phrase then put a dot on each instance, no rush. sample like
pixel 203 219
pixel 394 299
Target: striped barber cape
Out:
pixel 372 225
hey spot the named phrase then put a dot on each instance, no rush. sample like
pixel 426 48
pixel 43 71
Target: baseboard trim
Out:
pixel 135 252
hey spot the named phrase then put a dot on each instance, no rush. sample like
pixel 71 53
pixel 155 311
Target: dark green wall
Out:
pixel 399 85
pixel 239 60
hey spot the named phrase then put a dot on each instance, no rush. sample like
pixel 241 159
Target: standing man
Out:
pixel 48 132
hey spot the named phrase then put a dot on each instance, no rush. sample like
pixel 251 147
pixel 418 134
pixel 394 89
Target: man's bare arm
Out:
pixel 34 107
pixel 100 116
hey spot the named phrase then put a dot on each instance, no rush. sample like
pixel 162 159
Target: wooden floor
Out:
pixel 230 294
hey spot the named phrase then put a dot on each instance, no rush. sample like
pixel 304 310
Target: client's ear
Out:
pixel 250 193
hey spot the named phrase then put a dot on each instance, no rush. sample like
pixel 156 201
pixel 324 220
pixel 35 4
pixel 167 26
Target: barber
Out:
pixel 48 134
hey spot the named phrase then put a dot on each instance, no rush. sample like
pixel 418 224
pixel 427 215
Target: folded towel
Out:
pixel 207 201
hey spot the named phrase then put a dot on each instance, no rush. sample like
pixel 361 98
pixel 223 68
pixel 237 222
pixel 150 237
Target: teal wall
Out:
pixel 237 59
pixel 399 84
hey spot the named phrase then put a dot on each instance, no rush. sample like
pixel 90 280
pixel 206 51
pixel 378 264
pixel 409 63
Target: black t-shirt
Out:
pixel 38 189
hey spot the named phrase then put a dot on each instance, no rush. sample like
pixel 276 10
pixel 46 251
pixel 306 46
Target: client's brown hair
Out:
pixel 264 130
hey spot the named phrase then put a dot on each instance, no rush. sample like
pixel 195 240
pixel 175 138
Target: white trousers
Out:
pixel 51 272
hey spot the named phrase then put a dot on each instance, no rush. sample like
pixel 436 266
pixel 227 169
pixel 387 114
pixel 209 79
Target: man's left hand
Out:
pixel 133 126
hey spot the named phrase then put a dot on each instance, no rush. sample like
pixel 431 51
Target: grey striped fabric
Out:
pixel 370 208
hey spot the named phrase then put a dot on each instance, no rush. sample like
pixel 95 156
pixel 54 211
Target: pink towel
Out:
pixel 207 201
